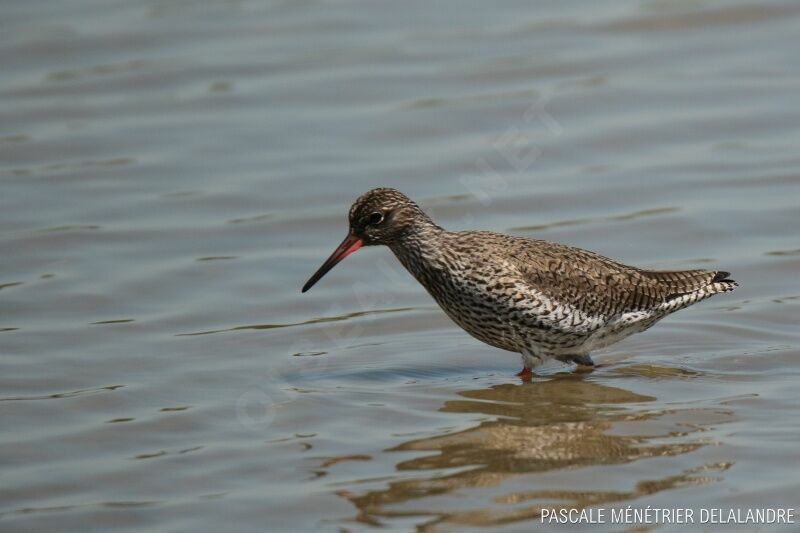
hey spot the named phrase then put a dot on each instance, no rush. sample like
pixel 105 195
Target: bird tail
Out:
pixel 721 282
pixel 692 286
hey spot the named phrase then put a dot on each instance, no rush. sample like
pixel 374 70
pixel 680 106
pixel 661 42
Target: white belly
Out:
pixel 609 333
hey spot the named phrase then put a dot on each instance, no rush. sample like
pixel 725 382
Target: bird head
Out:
pixel 380 216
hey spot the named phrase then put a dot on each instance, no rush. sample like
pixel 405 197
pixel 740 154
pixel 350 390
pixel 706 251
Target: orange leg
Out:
pixel 525 374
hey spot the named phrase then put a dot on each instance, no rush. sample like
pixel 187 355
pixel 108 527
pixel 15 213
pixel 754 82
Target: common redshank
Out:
pixel 537 298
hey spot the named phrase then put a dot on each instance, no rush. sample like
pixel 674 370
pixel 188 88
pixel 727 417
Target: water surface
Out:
pixel 173 171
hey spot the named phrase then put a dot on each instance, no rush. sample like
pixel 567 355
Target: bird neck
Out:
pixel 419 248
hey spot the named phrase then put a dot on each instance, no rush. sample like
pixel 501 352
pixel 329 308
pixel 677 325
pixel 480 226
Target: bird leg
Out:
pixel 583 360
pixel 580 360
pixel 529 360
pixel 525 374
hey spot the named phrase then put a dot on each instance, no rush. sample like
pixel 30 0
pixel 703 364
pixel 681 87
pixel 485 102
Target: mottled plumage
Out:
pixel 538 298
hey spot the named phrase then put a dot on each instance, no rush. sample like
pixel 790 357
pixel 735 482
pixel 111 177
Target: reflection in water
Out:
pixel 557 425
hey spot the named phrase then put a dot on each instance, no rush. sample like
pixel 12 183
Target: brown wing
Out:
pixel 596 284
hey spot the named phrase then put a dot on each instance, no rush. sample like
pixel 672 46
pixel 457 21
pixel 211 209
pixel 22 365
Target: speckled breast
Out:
pixel 490 303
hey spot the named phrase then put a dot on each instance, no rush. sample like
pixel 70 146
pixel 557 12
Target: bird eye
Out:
pixel 375 218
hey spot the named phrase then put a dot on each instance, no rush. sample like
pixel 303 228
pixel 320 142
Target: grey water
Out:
pixel 172 171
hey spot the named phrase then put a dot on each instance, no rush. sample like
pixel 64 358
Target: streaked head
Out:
pixel 380 216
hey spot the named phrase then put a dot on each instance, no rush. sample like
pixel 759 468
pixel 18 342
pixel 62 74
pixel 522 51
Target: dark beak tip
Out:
pixel 350 244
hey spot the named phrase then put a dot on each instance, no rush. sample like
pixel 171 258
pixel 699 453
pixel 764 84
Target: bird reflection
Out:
pixel 508 467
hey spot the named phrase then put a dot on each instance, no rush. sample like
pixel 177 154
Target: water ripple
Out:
pixel 60 395
pixel 306 322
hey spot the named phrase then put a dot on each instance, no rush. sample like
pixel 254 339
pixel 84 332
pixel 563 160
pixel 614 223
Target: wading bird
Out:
pixel 537 298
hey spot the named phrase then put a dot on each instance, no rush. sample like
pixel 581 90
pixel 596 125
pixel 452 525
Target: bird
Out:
pixel 538 298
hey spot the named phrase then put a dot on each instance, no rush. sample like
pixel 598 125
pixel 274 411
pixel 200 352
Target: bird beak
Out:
pixel 350 244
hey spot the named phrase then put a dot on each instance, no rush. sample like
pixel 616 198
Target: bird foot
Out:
pixel 525 374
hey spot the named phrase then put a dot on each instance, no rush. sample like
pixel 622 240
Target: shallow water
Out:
pixel 173 171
